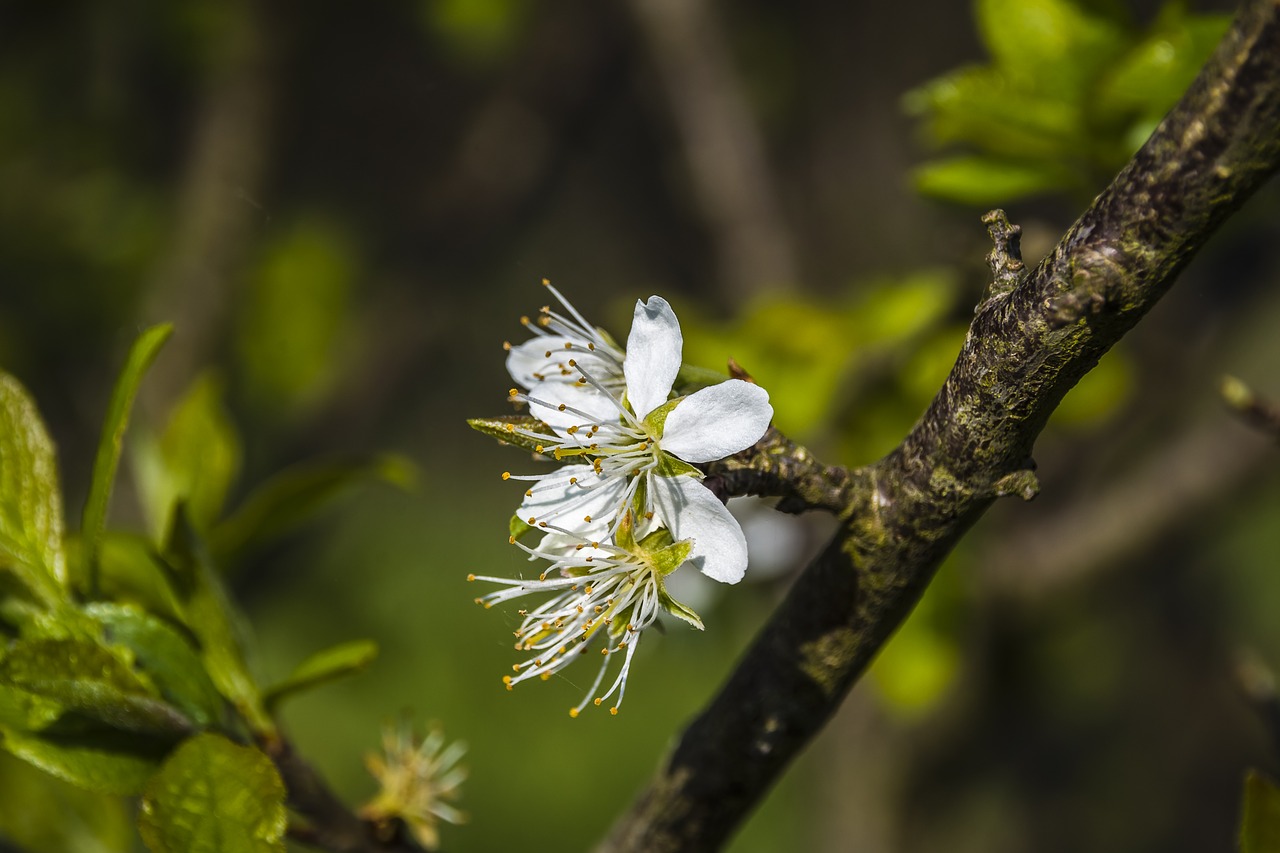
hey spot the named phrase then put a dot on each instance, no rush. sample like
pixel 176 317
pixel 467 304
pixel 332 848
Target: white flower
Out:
pixel 415 779
pixel 631 450
pixel 609 590
pixel 558 338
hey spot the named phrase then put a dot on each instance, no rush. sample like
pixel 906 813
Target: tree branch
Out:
pixel 1029 343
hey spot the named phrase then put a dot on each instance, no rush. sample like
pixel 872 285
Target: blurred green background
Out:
pixel 345 209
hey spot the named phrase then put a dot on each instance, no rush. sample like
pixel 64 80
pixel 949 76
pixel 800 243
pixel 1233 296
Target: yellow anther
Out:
pixel 538 448
pixel 568 345
pixel 546 676
pixel 528 493
pixel 547 354
pixel 524 320
pixel 506 475
pixel 614 710
pixel 561 407
pixel 596 701
pixel 573 712
pixel 649 516
pixel 532 520
pixel 546 282
pixel 512 392
pixel 591 346
pixel 511 540
pixel 506 679
pixel 573 362
pixel 506 345
pixel 573 481
pixel 586 518
pixel 471 577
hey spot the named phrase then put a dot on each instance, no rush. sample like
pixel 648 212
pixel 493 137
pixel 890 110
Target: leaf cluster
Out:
pixel 1071 91
pixel 124 669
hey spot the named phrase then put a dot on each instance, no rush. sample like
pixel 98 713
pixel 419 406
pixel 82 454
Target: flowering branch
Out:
pixel 1031 340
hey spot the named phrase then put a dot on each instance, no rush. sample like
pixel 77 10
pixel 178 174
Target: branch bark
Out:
pixel 1031 340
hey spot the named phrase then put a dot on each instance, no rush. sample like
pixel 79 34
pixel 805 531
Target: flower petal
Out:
pixel 567 497
pixel 717 422
pixel 653 355
pixel 562 406
pixel 546 359
pixel 692 511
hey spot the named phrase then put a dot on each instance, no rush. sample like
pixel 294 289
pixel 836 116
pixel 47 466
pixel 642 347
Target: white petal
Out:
pixel 717 422
pixel 558 502
pixel 583 406
pixel 692 511
pixel 654 348
pixel 546 359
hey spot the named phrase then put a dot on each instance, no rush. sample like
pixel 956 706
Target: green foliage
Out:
pixel 1260 820
pixel 195 460
pixel 97 693
pixel 212 796
pixel 1071 91
pixel 144 351
pixel 323 667
pixel 30 503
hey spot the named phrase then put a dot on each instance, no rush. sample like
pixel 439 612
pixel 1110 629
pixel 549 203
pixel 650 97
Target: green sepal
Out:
pixel 214 796
pixel 322 667
pixel 519 528
pixel 670 466
pixel 504 428
pixel 678 610
pixel 655 422
pixel 667 560
pixel 626 535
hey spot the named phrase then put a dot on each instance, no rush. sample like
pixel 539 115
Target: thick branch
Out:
pixel 1026 348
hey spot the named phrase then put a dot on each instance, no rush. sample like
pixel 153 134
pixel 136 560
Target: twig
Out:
pixel 1262 415
pixel 1024 351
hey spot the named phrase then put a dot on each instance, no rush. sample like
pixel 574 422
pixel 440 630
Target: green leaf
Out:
pixel 324 666
pixel 296 494
pixel 1048 46
pixel 97 682
pixel 167 657
pixel 986 180
pixel 212 796
pixel 30 504
pixel 141 355
pixel 208 613
pixel 107 761
pixel 1260 821
pixel 504 430
pixel 195 460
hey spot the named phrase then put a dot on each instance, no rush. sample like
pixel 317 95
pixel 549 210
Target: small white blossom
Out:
pixel 610 591
pixel 632 450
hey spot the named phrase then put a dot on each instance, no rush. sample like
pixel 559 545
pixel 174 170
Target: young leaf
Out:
pixel 323 666
pixel 196 459
pixel 92 680
pixel 143 352
pixel 980 180
pixel 208 613
pixel 166 656
pixel 106 761
pixel 1260 821
pixel 212 796
pixel 294 495
pixel 30 503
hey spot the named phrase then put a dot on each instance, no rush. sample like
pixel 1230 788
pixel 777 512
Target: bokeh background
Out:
pixel 345 208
